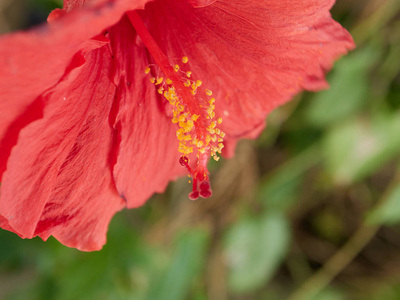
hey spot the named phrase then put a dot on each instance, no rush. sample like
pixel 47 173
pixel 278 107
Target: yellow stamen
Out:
pixel 159 80
pixel 195 131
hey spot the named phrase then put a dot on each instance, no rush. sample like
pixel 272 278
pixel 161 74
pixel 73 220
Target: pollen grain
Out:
pixel 197 133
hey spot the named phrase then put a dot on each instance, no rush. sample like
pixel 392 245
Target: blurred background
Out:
pixel 310 210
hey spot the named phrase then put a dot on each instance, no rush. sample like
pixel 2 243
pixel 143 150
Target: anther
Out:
pixel 159 80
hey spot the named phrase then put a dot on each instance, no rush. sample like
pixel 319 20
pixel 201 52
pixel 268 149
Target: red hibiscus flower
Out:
pixel 84 132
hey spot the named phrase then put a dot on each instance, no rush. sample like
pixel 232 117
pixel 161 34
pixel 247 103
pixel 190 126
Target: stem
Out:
pixel 335 264
pixel 343 257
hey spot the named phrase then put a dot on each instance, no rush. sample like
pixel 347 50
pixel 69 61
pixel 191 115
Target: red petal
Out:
pixel 69 5
pixel 201 3
pixel 58 179
pixel 4 224
pixel 148 156
pixel 32 62
pixel 254 55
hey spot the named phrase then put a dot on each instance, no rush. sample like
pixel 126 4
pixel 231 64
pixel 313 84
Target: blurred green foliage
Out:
pixel 327 164
pixel 255 247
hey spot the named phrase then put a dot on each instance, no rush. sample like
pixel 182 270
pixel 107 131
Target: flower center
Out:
pixel 193 112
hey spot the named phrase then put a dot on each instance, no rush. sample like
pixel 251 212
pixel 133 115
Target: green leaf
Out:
pixel 359 147
pixel 348 89
pixel 389 212
pixel 175 282
pixel 254 249
pixel 329 293
pixel 280 195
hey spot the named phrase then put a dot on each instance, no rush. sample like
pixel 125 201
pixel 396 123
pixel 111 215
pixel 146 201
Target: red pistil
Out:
pixel 201 183
pixel 187 98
